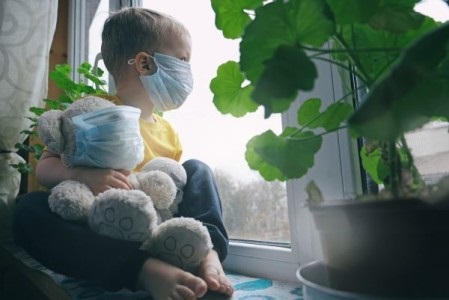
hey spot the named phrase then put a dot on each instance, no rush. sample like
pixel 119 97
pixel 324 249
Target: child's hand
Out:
pixel 100 180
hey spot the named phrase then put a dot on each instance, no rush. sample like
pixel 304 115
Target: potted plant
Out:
pixel 399 57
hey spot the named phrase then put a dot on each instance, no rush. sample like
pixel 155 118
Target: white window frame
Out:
pixel 335 171
pixel 76 35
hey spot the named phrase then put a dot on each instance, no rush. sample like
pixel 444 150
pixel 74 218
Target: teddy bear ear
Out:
pixel 49 128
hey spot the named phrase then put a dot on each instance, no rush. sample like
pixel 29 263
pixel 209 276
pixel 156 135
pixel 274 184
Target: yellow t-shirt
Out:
pixel 160 138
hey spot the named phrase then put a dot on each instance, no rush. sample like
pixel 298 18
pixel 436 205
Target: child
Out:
pixel 147 53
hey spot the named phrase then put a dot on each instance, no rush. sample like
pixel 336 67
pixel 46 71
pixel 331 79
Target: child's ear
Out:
pixel 144 64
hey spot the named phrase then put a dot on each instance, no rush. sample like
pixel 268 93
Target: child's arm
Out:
pixel 50 171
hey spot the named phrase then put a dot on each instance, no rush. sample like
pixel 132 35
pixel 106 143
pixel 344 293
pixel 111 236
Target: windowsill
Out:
pixel 276 263
pixel 40 283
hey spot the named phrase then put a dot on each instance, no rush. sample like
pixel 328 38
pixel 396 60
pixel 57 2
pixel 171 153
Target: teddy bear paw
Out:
pixel 126 215
pixel 71 200
pixel 182 242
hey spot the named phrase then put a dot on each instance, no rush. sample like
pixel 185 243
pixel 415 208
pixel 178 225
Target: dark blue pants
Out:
pixel 72 249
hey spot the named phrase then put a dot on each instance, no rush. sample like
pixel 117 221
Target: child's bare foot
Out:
pixel 164 281
pixel 212 272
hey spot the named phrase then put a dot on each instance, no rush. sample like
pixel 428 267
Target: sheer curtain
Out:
pixel 26 33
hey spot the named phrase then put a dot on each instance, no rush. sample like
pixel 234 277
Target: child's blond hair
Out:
pixel 132 30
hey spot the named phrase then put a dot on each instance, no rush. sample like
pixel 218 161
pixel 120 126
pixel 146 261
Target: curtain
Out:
pixel 26 32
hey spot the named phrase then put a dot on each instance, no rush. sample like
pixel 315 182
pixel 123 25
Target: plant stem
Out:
pixel 395 168
pixel 354 59
pixel 417 179
pixel 321 51
pixel 341 65
pixel 292 135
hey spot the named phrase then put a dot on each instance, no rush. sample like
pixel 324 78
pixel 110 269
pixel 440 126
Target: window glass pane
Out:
pixel 253 209
pixel 430 149
pixel 96 14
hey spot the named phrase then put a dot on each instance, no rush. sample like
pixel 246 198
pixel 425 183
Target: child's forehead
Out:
pixel 176 45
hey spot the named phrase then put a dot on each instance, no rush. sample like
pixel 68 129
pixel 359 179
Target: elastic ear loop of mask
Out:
pixel 133 60
pixel 110 85
pixel 98 57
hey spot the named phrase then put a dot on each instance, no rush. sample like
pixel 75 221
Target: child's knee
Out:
pixel 195 165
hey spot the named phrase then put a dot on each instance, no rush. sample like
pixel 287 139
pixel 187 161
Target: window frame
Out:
pixel 336 171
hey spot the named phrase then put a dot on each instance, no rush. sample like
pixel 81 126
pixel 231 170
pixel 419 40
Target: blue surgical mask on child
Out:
pixel 108 138
pixel 170 85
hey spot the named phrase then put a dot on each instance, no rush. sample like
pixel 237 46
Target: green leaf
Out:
pixel 443 68
pixel 289 23
pixel 32 119
pixel 65 99
pixel 23 168
pixel 230 15
pixel 27 132
pixel 61 77
pixel 314 195
pixel 376 50
pixel 21 147
pixel 84 89
pixel 99 72
pixel 37 110
pixel 288 71
pixel 374 165
pixel 289 155
pixel 52 104
pixel 396 19
pixel 308 113
pixel 61 70
pixel 399 102
pixel 353 11
pixel 97 81
pixel 394 16
pixel 86 70
pixel 335 114
pixel 229 95
pixel 38 150
pixel 400 3
pixel 330 119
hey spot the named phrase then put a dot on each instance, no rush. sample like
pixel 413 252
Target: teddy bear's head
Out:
pixel 93 132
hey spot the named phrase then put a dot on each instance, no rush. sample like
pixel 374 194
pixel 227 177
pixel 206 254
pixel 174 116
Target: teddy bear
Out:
pixel 95 132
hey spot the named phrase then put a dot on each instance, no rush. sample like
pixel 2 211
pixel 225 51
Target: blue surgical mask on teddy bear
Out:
pixel 108 138
pixel 170 85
